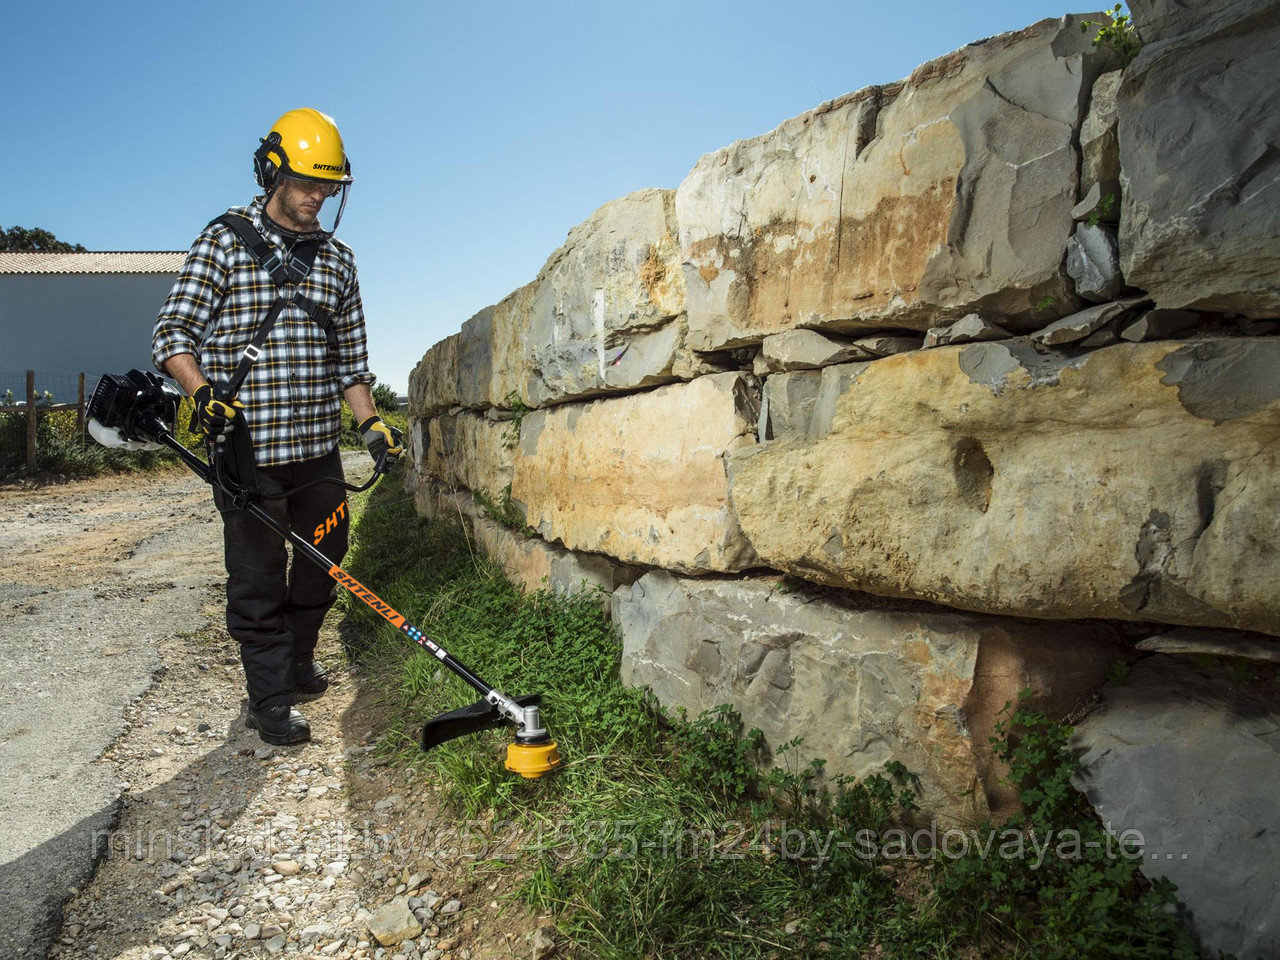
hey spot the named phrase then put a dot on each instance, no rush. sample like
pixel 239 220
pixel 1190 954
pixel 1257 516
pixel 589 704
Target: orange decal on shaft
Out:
pixel 368 596
pixel 331 523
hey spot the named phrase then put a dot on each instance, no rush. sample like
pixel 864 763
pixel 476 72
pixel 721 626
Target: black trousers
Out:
pixel 274 607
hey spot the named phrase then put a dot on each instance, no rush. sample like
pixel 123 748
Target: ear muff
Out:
pixel 265 169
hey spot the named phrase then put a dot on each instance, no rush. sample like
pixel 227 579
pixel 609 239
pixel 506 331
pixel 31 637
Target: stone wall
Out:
pixel 945 388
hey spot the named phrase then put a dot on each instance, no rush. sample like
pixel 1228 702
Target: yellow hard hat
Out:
pixel 304 144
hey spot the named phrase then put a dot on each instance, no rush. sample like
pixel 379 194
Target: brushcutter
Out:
pixel 138 411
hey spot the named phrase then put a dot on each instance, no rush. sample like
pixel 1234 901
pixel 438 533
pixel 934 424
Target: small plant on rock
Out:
pixel 511 436
pixel 1116 33
pixel 1104 208
pixel 502 509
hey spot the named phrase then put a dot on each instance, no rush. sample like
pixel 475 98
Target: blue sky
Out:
pixel 479 133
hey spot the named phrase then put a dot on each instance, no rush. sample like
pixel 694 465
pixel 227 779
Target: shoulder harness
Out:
pixel 286 273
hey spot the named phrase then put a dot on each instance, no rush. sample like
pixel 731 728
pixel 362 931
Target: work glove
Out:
pixel 382 439
pixel 213 418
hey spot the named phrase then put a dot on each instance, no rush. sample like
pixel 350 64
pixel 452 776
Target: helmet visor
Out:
pixel 320 200
pixel 327 188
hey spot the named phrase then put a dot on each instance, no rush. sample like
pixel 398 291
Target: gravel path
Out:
pixel 148 815
pixel 94 574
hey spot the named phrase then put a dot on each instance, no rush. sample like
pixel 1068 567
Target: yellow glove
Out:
pixel 382 441
pixel 213 417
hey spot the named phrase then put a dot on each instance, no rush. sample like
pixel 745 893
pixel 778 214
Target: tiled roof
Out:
pixel 107 261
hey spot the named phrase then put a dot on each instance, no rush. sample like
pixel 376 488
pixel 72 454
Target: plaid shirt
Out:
pixel 292 393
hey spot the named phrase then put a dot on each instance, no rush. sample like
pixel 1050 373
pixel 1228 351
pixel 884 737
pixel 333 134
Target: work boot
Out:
pixel 309 681
pixel 279 724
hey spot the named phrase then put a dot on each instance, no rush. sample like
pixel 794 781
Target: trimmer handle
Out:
pixel 222 390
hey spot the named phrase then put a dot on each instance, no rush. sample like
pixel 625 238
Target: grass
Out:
pixel 660 837
pixel 62 452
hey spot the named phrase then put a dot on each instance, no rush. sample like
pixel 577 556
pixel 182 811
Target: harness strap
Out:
pixel 286 273
pixel 254 349
pixel 293 270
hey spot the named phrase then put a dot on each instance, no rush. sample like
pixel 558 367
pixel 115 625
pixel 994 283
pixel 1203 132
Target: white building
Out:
pixel 62 314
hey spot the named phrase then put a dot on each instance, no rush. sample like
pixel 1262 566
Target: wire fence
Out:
pixel 41 422
pixel 59 383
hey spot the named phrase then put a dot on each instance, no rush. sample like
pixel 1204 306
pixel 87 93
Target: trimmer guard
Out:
pixel 473 718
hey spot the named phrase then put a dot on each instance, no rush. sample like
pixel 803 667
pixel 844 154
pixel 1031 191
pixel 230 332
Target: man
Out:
pixel 272 267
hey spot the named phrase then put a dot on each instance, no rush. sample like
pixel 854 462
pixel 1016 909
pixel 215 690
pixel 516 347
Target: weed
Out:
pixel 1086 897
pixel 503 509
pixel 1117 32
pixel 1118 672
pixel 511 435
pixel 711 750
pixel 790 584
pixel 1105 205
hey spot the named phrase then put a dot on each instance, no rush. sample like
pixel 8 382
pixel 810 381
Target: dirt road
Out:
pixel 93 575
pixel 142 820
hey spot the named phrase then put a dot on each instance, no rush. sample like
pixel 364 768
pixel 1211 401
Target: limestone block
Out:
pixel 1081 324
pixel 604 315
pixel 1200 221
pixel 1137 481
pixel 1158 21
pixel 863 681
pixel 508 345
pixel 1093 262
pixel 971 328
pixel 1197 641
pixel 901 205
pixel 415 454
pixel 887 346
pixel 1100 204
pixel 1184 754
pixel 475 361
pixel 436 501
pixel 538 565
pixel 641 477
pixel 806 350
pixel 803 405
pixel 466 449
pixel 616 321
pixel 1099 142
pixel 433 384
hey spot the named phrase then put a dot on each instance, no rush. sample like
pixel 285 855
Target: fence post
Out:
pixel 80 410
pixel 31 420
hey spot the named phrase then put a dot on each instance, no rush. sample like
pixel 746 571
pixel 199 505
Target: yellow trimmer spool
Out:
pixel 532 760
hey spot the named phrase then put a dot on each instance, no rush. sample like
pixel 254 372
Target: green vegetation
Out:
pixel 384 398
pixel 1104 209
pixel 61 451
pixel 34 240
pixel 662 837
pixel 503 509
pixel 1117 32
pixel 511 436
pixel 1086 897
pixel 350 439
